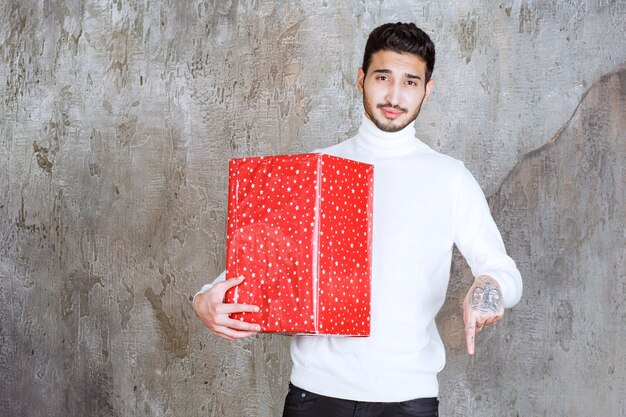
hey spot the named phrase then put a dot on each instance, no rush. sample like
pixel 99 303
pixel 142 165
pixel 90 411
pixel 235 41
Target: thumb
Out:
pixel 228 284
pixel 233 282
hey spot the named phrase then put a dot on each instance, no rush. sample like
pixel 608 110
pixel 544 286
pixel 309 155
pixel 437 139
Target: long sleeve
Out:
pixel 480 242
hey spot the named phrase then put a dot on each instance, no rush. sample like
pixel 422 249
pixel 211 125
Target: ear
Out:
pixel 429 88
pixel 360 79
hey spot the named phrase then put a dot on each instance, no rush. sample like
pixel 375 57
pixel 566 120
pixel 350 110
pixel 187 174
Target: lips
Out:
pixel 391 112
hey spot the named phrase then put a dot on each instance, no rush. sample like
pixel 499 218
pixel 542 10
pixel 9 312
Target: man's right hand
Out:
pixel 214 313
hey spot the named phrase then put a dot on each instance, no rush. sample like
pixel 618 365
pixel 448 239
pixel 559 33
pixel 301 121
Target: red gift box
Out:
pixel 300 231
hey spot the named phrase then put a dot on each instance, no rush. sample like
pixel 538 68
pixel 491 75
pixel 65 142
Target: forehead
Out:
pixel 397 62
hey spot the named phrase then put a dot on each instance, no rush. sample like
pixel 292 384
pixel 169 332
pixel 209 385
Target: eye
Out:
pixel 382 78
pixel 411 82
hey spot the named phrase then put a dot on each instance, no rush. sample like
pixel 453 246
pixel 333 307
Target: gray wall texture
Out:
pixel 118 119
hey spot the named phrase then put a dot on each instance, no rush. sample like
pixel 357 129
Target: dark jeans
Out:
pixel 302 403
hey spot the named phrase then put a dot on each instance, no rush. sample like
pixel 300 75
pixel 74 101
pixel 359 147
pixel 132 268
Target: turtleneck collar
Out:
pixel 372 139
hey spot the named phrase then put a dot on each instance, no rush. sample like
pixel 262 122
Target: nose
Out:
pixel 393 94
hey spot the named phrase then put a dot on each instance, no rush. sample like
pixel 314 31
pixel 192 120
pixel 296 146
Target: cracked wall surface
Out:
pixel 119 117
pixel 562 211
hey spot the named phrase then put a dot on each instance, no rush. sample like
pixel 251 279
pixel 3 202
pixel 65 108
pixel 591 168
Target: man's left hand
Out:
pixel 483 306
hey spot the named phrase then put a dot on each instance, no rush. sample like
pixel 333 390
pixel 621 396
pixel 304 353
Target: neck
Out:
pixel 374 140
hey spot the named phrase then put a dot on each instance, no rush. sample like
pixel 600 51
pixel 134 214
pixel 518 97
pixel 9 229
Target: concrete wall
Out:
pixel 118 118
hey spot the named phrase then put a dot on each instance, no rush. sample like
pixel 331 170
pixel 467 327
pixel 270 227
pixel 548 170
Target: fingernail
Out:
pixel 256 309
pixel 257 328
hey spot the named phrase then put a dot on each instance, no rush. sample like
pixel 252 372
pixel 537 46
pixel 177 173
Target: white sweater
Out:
pixel 424 202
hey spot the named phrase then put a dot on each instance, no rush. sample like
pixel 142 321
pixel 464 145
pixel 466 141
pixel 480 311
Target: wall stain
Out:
pixel 21 218
pixel 176 332
pixel 292 31
pixel 563 318
pixel 78 284
pixel 507 10
pixel 98 392
pixel 126 306
pixel 533 157
pixel 95 170
pixel 125 131
pixel 528 19
pixel 466 34
pixel 41 154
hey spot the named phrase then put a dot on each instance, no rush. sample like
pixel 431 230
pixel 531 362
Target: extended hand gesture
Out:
pixel 483 306
pixel 214 313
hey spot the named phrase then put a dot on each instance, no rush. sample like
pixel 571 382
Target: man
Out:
pixel 424 203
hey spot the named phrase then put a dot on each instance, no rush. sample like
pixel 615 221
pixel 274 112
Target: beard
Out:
pixel 390 126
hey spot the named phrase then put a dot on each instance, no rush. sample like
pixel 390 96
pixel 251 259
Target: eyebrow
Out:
pixel 388 71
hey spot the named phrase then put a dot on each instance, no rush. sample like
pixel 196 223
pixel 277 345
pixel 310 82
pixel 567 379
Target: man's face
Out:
pixel 394 89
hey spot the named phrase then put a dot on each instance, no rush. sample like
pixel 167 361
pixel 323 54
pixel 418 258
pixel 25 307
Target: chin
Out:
pixel 390 127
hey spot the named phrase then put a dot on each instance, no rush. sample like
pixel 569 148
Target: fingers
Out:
pixel 222 287
pixel 240 325
pixel 234 329
pixel 235 308
pixel 475 324
pixel 470 334
pixel 214 313
pixel 491 321
pixel 230 334
pixel 221 324
pixel 208 305
pixel 234 281
pixel 481 325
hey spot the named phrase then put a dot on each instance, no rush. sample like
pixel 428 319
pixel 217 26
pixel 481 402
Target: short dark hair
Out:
pixel 400 38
